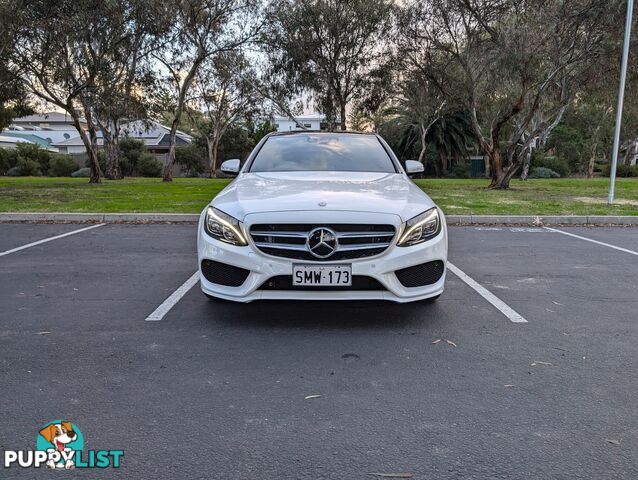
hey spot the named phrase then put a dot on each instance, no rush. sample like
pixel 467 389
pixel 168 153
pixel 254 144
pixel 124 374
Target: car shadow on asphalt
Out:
pixel 325 314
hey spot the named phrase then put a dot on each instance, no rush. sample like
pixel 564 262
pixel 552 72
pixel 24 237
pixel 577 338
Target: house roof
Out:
pixel 301 118
pixel 31 139
pixel 48 117
pixel 151 132
pixel 12 141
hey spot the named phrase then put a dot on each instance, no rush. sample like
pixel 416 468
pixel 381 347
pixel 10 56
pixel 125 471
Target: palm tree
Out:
pixel 450 136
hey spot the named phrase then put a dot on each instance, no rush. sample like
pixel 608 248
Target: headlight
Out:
pixel 223 227
pixel 420 228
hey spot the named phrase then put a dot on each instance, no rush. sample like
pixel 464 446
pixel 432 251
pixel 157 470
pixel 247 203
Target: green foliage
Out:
pixel 101 160
pixel 25 167
pixel 130 151
pixel 557 164
pixel 542 172
pixel 460 170
pixel 33 153
pixel 622 170
pixel 82 173
pixel 192 158
pixel 148 165
pixel 8 158
pixel 61 165
pixel 571 146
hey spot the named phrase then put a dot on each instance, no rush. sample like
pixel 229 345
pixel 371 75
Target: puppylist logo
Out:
pixel 60 445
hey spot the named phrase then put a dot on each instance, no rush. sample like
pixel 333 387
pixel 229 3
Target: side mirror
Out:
pixel 230 167
pixel 412 167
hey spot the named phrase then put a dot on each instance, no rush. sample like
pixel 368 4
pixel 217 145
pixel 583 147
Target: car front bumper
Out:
pixel 263 267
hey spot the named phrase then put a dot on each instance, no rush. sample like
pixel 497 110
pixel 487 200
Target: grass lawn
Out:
pixel 190 195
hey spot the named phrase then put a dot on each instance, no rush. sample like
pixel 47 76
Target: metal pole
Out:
pixel 621 98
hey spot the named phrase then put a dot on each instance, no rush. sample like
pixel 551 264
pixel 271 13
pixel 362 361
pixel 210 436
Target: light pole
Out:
pixel 621 98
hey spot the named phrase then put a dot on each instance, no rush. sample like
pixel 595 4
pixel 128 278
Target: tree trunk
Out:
pixel 592 157
pixel 526 164
pixel 213 144
pixel 630 155
pixel 91 148
pixel 424 146
pixel 96 171
pixel 168 168
pixel 112 147
pixel 503 179
pixel 494 154
pixel 342 107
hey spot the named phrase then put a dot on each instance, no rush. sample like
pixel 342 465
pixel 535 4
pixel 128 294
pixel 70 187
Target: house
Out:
pixel 313 121
pixel 7 141
pixel 47 121
pixel 25 137
pixel 155 136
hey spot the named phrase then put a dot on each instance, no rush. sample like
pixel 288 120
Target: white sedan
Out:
pixel 322 216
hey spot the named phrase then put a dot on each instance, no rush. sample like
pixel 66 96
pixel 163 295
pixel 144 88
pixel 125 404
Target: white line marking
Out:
pixel 593 241
pixel 487 295
pixel 45 240
pixel 175 297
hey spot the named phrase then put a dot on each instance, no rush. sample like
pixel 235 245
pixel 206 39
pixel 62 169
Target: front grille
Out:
pixel 359 283
pixel 421 275
pixel 223 274
pixel 354 240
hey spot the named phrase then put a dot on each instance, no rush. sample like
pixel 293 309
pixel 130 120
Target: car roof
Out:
pixel 339 132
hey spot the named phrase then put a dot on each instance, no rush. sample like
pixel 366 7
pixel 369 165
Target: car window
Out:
pixel 331 152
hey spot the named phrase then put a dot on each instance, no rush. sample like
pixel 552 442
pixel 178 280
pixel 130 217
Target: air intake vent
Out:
pixel 223 274
pixel 359 283
pixel 353 240
pixel 421 275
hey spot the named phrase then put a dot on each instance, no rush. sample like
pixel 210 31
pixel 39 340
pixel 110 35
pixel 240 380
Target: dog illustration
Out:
pixel 59 434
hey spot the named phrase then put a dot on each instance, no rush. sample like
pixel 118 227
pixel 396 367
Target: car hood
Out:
pixel 391 193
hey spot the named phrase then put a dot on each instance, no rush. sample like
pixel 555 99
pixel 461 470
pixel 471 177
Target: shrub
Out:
pixel 32 153
pixel 130 152
pixel 460 171
pixel 82 172
pixel 101 160
pixel 191 158
pixel 25 168
pixel 622 170
pixel 61 165
pixel 542 172
pixel 6 162
pixel 557 164
pixel 148 165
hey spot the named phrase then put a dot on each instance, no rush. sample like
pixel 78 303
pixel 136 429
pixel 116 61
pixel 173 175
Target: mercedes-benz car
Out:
pixel 322 216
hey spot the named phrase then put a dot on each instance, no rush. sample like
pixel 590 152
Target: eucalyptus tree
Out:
pixel 126 78
pixel 328 48
pixel 513 65
pixel 200 30
pixel 13 101
pixel 226 96
pixel 62 52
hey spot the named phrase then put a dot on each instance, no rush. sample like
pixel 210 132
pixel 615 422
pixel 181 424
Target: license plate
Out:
pixel 322 275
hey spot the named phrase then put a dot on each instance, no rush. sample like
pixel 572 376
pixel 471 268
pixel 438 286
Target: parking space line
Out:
pixel 499 304
pixel 626 250
pixel 45 240
pixel 175 297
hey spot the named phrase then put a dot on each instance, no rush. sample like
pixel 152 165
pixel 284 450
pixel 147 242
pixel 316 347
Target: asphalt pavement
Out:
pixel 325 390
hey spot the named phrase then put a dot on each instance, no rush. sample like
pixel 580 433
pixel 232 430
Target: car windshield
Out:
pixel 332 152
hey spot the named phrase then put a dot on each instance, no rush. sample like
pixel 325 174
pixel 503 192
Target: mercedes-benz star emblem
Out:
pixel 322 242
